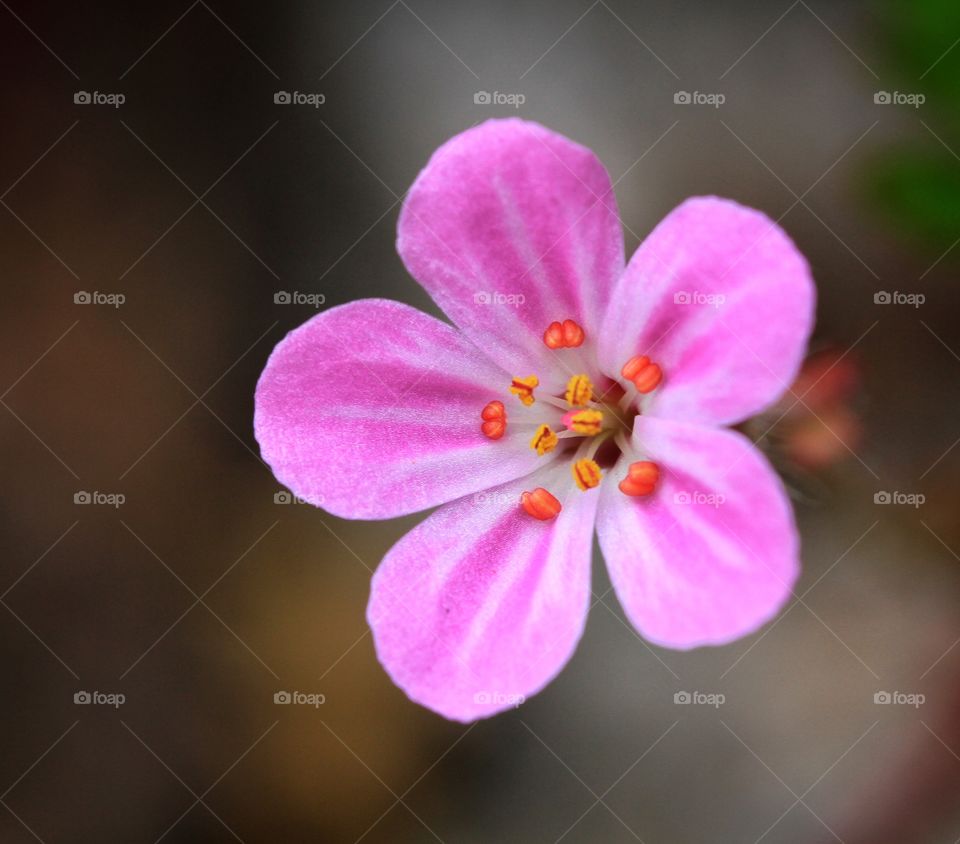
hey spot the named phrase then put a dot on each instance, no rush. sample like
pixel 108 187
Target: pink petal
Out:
pixel 723 360
pixel 481 605
pixel 510 208
pixel 372 410
pixel 712 553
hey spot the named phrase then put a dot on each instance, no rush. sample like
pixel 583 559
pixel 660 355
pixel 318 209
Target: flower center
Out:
pixel 601 423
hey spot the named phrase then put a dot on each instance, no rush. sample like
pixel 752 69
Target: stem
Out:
pixel 555 402
pixel 620 439
pixel 590 446
pixel 598 441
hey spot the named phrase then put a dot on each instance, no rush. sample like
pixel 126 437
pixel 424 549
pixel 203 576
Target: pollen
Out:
pixel 641 479
pixel 586 422
pixel 646 376
pixel 494 418
pixel 586 473
pixel 565 335
pixel 540 504
pixel 579 391
pixel 522 388
pixel 544 440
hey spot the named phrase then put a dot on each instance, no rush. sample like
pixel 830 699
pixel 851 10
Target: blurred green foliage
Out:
pixel 918 183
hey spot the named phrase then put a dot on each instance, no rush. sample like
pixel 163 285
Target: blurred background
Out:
pixel 156 199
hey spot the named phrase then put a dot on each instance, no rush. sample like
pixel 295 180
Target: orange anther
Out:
pixel 522 388
pixel 553 336
pixel 579 391
pixel 645 375
pixel 494 418
pixel 565 335
pixel 544 440
pixel 586 473
pixel 648 379
pixel 540 504
pixel 641 479
pixel 493 410
pixel 587 422
pixel 572 334
pixel 494 428
pixel 633 366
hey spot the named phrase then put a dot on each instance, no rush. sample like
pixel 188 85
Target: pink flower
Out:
pixel 373 410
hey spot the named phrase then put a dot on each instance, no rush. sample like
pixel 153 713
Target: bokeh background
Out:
pixel 203 594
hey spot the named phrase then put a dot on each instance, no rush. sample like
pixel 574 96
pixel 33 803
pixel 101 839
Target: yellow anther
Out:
pixel 522 388
pixel 586 473
pixel 587 422
pixel 544 440
pixel 579 391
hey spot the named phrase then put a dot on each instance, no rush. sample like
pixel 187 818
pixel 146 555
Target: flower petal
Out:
pixel 372 410
pixel 712 554
pixel 720 297
pixel 511 209
pixel 481 605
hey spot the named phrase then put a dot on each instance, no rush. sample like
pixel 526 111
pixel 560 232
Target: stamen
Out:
pixel 553 336
pixel 573 335
pixel 544 440
pixel 494 420
pixel 556 401
pixel 540 504
pixel 522 388
pixel 592 446
pixel 644 374
pixel 587 422
pixel 641 479
pixel 579 391
pixel 587 474
pixel 565 335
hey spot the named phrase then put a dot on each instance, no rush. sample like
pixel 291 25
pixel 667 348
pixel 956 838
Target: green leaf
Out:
pixel 921 194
